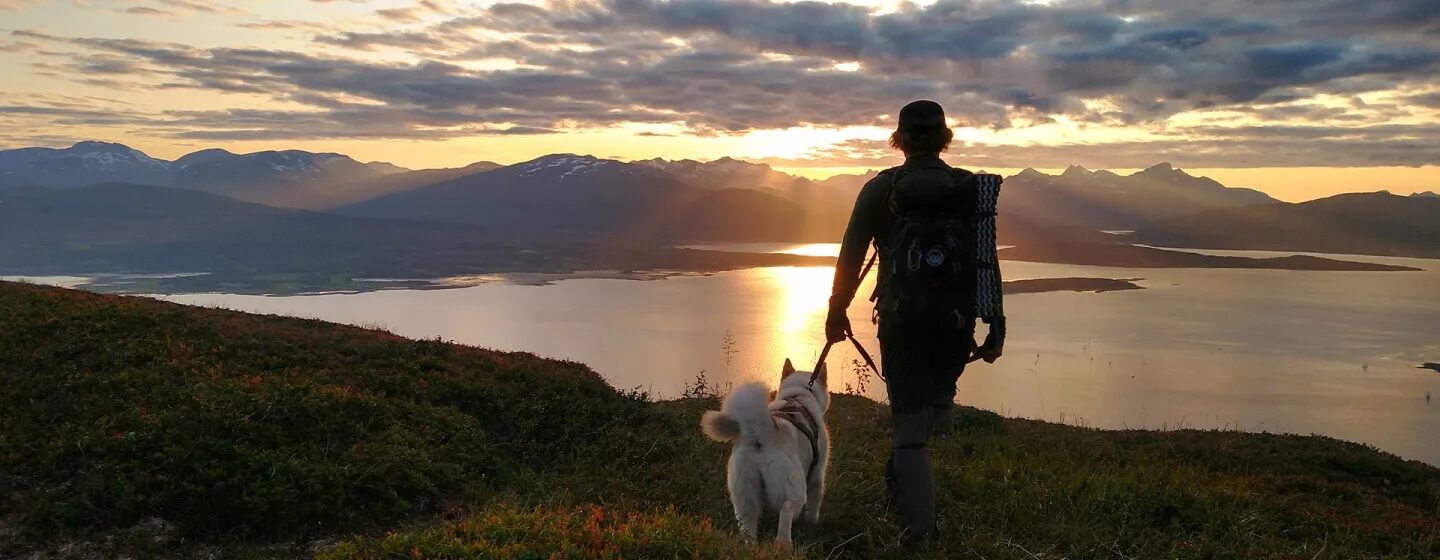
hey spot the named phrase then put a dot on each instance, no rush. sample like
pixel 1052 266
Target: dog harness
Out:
pixel 799 416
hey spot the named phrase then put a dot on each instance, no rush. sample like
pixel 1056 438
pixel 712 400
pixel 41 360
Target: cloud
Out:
pixel 176 9
pixel 148 11
pixel 1431 99
pixel 732 67
pixel 414 13
pixel 18 5
pixel 203 7
pixel 18 47
pixel 403 15
pixel 248 124
pixel 110 64
pixel 277 24
pixel 1156 59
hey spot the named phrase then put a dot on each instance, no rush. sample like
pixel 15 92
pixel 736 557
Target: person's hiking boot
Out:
pixel 916 542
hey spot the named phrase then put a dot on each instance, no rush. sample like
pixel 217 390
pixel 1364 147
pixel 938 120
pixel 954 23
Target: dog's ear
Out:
pixel 824 372
pixel 788 369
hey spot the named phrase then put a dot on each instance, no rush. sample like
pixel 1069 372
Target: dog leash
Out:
pixel 815 373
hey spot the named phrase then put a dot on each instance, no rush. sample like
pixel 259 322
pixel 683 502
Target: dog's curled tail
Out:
pixel 746 414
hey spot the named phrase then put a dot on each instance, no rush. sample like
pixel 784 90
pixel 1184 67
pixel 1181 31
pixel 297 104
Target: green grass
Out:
pixel 142 428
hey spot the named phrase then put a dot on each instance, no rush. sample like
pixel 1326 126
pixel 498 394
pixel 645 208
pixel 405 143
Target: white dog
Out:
pixel 780 449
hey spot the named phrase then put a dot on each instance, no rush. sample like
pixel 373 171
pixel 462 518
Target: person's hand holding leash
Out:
pixel 989 352
pixel 837 326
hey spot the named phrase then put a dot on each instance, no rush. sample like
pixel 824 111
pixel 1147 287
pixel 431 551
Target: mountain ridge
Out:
pixel 723 199
pixel 294 178
pixel 574 194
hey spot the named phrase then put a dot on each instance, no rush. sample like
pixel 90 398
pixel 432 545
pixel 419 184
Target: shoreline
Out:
pixel 692 262
pixel 536 279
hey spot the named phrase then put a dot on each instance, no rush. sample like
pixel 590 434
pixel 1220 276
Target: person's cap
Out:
pixel 921 114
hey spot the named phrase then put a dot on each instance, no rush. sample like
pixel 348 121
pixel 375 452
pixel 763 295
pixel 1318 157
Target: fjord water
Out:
pixel 1329 353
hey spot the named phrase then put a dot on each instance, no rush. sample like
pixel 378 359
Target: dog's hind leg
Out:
pixel 814 493
pixel 748 513
pixel 747 494
pixel 789 510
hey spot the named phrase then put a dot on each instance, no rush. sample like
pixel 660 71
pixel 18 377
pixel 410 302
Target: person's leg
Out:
pixel 949 353
pixel 909 479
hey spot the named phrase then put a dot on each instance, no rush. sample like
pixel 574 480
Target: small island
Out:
pixel 1096 285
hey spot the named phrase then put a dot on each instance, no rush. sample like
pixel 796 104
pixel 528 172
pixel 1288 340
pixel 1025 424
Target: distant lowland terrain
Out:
pixel 293 221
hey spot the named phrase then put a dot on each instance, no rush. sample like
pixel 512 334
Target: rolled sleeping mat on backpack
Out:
pixel 988 288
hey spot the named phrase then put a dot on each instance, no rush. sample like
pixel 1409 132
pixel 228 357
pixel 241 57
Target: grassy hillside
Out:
pixel 141 428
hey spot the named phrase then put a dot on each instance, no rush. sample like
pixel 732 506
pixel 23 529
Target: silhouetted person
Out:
pixel 921 217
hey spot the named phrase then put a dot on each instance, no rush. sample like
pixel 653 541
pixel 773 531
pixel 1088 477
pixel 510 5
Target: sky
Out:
pixel 1299 98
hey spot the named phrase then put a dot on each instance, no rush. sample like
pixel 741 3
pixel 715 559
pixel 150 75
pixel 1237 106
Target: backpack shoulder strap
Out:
pixel 895 174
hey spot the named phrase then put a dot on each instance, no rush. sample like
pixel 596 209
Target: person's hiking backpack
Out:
pixel 939 246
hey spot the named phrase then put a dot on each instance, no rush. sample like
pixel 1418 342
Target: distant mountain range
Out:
pixel 569 194
pixel 659 202
pixel 290 178
pixel 85 163
pixel 1107 201
pixel 1360 223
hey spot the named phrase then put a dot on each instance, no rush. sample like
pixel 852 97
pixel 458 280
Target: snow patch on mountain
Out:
pixel 571 166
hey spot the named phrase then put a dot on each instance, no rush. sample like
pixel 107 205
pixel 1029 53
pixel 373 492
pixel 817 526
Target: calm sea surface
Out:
pixel 1330 353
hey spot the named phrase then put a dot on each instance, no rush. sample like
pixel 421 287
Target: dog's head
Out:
pixel 790 377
